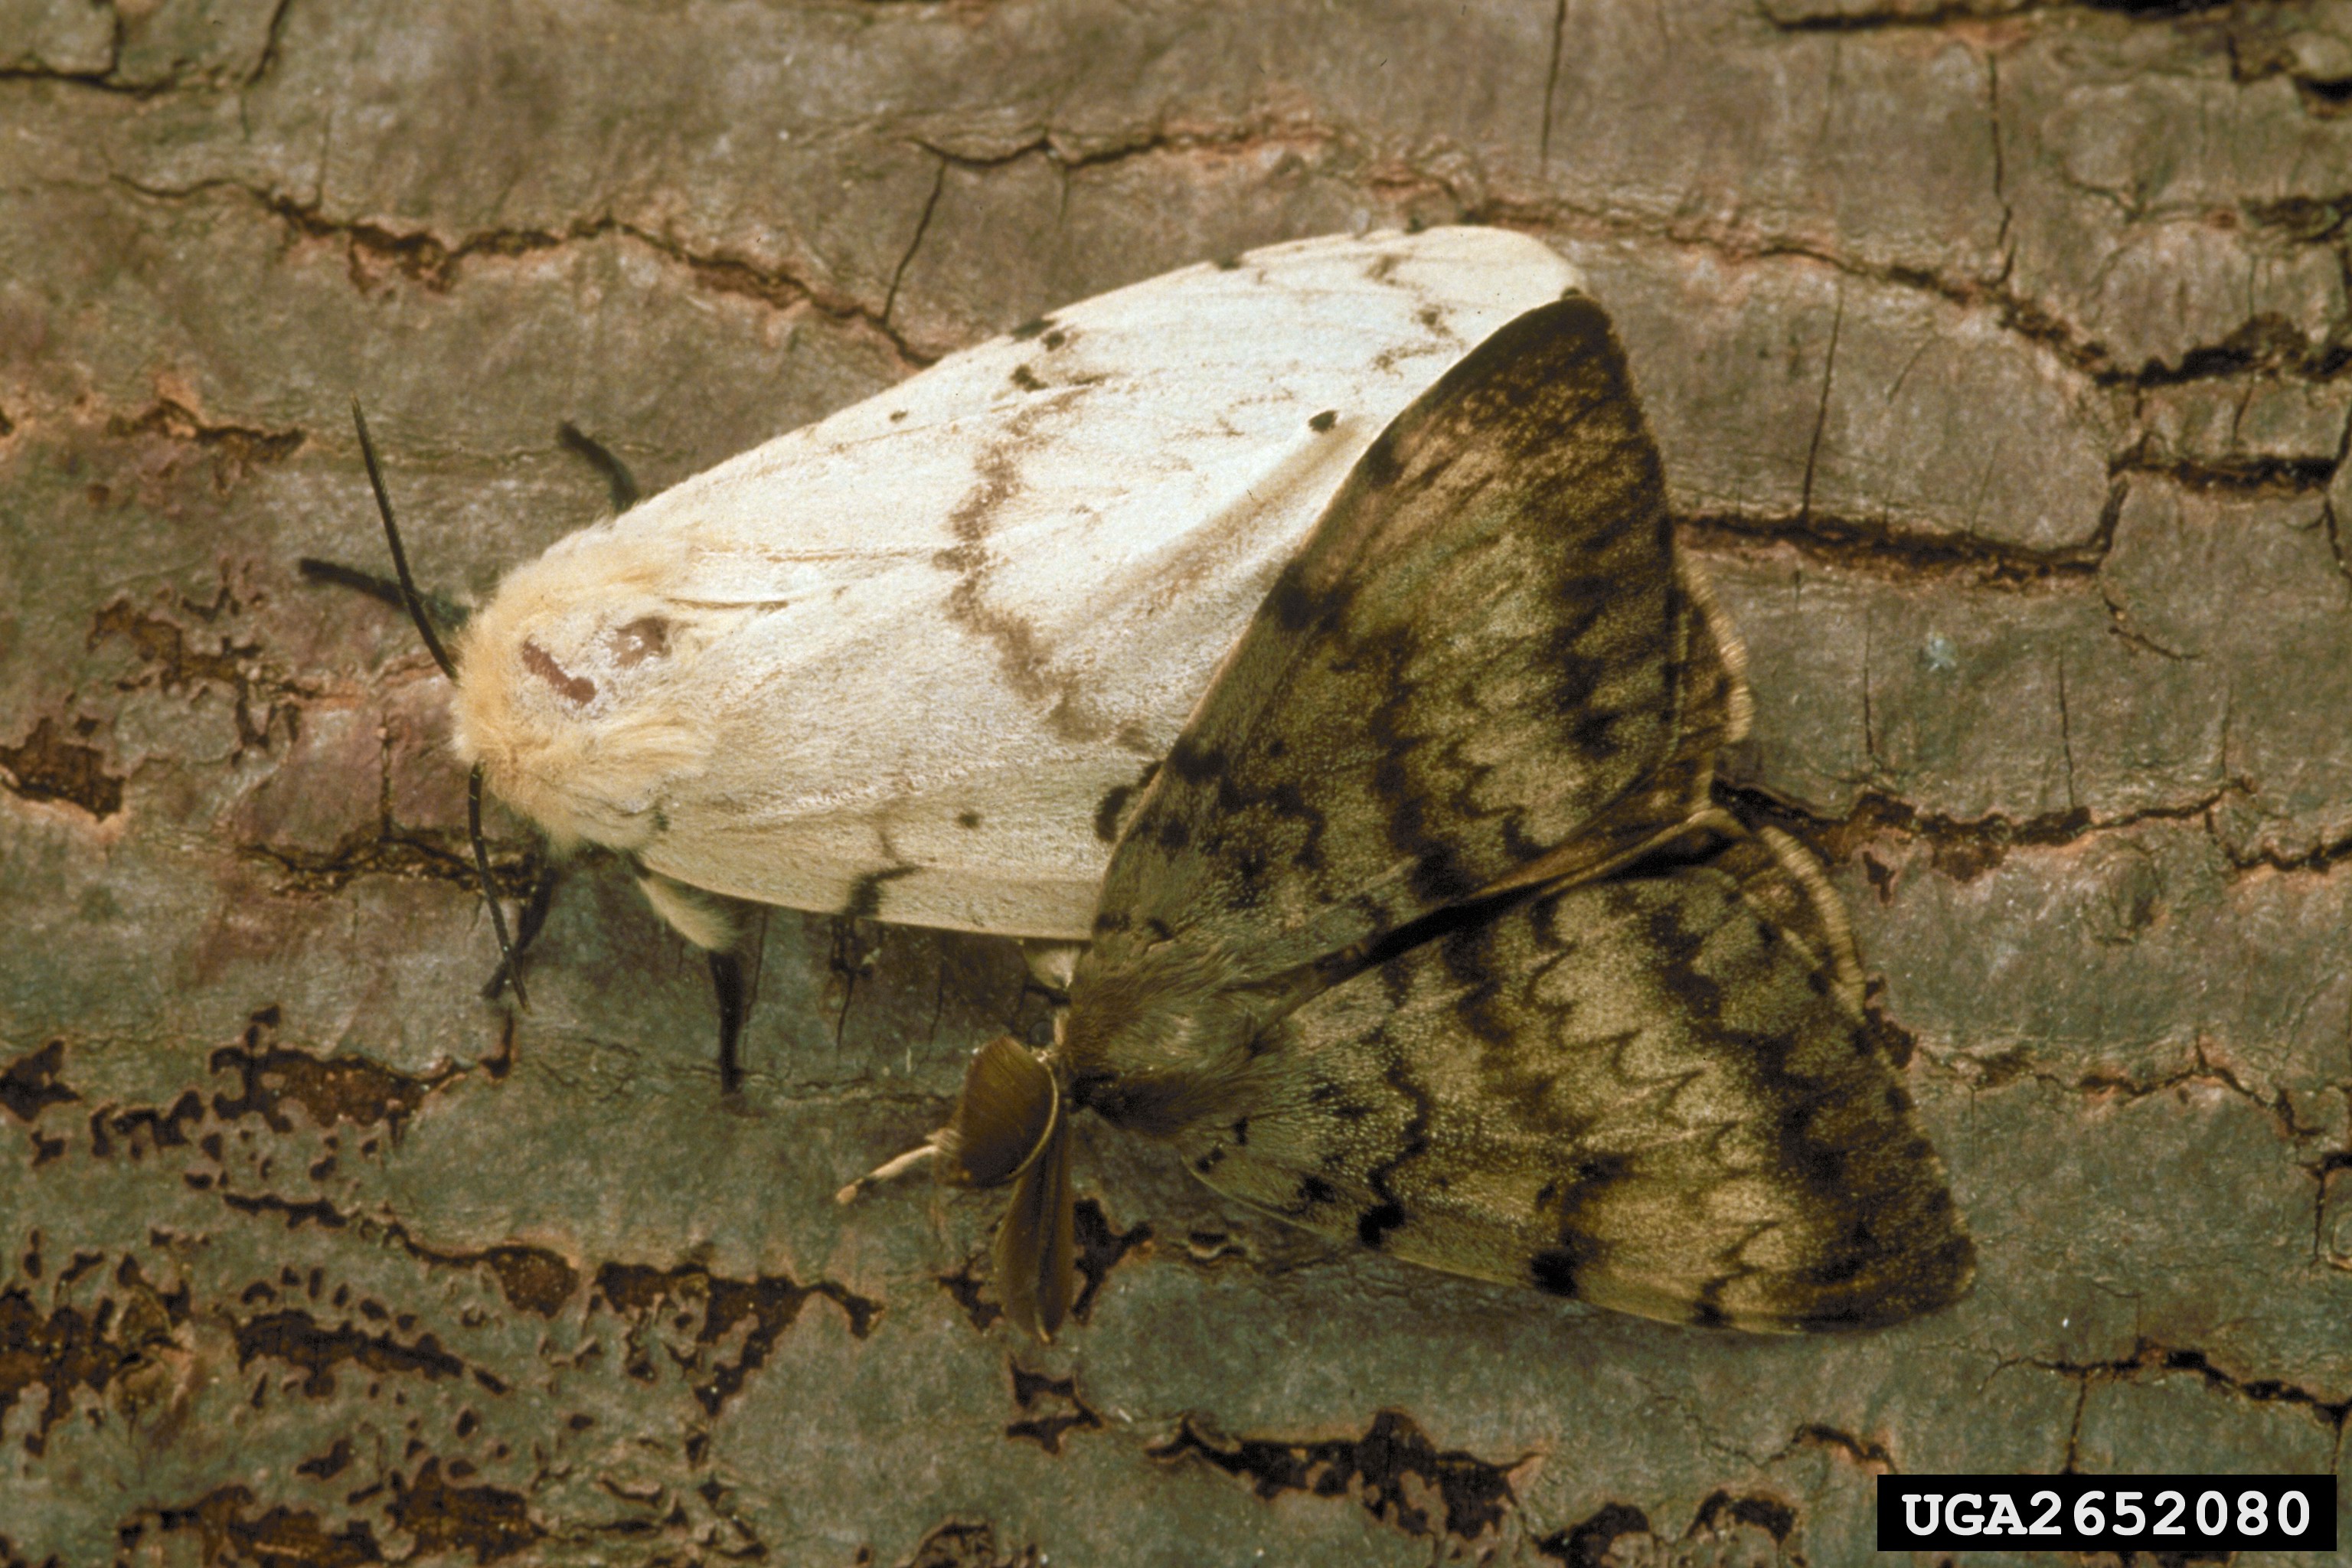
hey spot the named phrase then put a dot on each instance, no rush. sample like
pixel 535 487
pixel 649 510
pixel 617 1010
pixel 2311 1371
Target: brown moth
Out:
pixel 1426 933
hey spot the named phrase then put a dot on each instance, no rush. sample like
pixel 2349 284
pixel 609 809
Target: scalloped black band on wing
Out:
pixel 1646 1092
pixel 1483 652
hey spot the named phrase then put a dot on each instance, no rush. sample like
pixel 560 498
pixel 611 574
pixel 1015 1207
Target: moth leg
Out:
pixel 735 982
pixel 727 981
pixel 732 933
pixel 895 1166
pixel 535 905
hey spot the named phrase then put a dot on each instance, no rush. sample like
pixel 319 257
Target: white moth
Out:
pixel 913 661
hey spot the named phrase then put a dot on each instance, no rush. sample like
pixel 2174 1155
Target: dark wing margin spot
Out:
pixel 1032 328
pixel 1373 1225
pixel 1195 762
pixel 865 901
pixel 1107 813
pixel 1323 422
pixel 1382 465
pixel 1553 1272
pixel 1291 602
pixel 1114 803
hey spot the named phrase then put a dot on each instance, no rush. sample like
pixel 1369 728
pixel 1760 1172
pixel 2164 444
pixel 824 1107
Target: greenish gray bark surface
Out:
pixel 1998 353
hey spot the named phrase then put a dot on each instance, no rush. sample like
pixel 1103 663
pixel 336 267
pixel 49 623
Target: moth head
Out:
pixel 573 687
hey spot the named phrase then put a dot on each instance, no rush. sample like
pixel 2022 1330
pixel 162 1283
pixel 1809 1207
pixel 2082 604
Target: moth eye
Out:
pixel 576 688
pixel 643 638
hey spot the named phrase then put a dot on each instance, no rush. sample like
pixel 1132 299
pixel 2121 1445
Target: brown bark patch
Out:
pixel 488 1522
pixel 764 1307
pixel 1393 1471
pixel 48 765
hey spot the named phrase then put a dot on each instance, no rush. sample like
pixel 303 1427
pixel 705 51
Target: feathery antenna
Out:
pixel 415 603
pixel 415 600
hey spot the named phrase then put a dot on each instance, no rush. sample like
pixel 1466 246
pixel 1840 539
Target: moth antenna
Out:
pixel 415 603
pixel 314 569
pixel 884 1172
pixel 415 600
pixel 482 867
pixel 384 590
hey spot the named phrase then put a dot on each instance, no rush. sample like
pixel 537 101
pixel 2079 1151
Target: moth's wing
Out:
pixel 1655 1093
pixel 912 662
pixel 1485 663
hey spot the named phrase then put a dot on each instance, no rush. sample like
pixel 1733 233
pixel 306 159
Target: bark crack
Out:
pixel 1962 13
pixel 1551 82
pixel 2264 344
pixel 1822 413
pixel 271 39
pixel 2328 519
pixel 1989 1072
pixel 1999 162
pixel 435 263
pixel 1962 848
pixel 1866 1452
pixel 2066 738
pixel 922 227
pixel 2153 1355
pixel 1869 545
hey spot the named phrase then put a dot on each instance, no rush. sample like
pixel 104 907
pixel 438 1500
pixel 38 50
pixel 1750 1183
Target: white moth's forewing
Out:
pixel 907 661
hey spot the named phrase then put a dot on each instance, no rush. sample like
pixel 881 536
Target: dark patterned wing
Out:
pixel 1484 660
pixel 1653 1092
